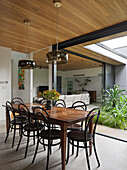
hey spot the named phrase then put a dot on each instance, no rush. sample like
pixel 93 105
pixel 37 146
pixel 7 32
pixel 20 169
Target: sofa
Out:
pixel 70 99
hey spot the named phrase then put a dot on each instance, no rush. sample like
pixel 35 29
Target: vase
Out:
pixel 48 105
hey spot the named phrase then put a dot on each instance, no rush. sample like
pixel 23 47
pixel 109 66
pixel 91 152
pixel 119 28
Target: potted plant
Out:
pixel 50 95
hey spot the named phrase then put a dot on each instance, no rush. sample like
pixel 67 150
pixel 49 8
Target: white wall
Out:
pixel 94 75
pixel 24 94
pixel 5 79
pixel 86 72
pixel 40 78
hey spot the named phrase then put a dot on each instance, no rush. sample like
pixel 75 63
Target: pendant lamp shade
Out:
pixel 59 56
pixel 26 64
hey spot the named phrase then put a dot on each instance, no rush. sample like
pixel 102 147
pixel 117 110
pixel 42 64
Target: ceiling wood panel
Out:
pixel 81 50
pixel 74 62
pixel 75 18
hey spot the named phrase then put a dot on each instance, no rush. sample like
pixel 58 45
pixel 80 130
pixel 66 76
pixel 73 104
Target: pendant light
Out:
pixel 58 56
pixel 26 64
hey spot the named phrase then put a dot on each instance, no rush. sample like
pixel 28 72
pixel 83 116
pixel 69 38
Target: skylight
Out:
pixel 116 42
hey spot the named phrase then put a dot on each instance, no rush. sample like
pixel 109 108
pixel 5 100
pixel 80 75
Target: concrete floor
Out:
pixel 112 155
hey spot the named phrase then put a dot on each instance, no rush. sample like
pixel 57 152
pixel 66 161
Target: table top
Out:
pixel 67 115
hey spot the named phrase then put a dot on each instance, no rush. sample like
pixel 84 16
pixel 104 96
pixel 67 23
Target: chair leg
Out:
pixel 44 144
pixel 48 152
pixel 68 149
pixel 27 144
pixel 7 134
pixel 50 146
pixel 77 149
pixel 35 151
pixel 34 137
pixel 96 153
pixel 14 136
pixel 82 125
pixel 87 157
pixel 19 142
pixel 72 147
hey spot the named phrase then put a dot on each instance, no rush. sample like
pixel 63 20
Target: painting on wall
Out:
pixel 21 73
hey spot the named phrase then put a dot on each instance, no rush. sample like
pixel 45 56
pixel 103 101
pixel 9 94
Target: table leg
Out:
pixel 7 119
pixel 90 130
pixel 63 144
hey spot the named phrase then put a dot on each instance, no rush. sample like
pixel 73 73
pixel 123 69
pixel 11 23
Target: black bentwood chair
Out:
pixel 29 127
pixel 79 105
pixel 16 100
pixel 14 123
pixel 84 136
pixel 47 135
pixel 60 103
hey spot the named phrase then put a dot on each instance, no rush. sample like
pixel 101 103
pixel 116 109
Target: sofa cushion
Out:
pixel 69 100
pixel 77 97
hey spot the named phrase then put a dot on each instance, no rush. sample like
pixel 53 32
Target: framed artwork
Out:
pixel 21 76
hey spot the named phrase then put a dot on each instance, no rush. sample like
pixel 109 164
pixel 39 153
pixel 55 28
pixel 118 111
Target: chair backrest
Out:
pixel 16 100
pixel 60 103
pixel 23 110
pixel 93 113
pixel 79 105
pixel 41 114
pixel 11 110
pixel 43 101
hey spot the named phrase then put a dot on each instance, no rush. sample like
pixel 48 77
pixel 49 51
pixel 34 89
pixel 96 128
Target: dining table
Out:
pixel 62 117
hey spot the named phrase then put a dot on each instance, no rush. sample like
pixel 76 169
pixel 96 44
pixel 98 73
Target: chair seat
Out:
pixel 54 134
pixel 79 136
pixel 33 127
pixel 18 121
pixel 74 127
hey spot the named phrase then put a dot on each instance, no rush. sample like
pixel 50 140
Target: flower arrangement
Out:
pixel 51 95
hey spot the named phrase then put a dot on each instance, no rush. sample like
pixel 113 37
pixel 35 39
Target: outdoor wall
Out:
pixel 24 94
pixel 121 76
pixel 5 79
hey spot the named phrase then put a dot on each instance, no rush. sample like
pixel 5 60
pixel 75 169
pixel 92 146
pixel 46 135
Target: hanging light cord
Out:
pixel 57 29
pixel 26 37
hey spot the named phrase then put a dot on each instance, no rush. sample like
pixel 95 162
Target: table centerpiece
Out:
pixel 50 95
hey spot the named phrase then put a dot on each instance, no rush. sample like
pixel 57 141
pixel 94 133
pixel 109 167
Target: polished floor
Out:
pixel 112 155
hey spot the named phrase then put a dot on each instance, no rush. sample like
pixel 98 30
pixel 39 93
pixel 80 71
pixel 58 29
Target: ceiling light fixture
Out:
pixel 58 56
pixel 26 64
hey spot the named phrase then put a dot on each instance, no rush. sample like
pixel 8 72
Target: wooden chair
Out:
pixel 80 105
pixel 60 103
pixel 75 138
pixel 47 134
pixel 14 123
pixel 29 129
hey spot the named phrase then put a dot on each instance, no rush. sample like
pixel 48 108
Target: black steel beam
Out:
pixel 81 55
pixel 104 32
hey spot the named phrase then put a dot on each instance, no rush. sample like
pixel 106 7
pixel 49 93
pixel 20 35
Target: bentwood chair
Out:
pixel 14 123
pixel 80 105
pixel 85 139
pixel 60 103
pixel 47 135
pixel 16 100
pixel 29 129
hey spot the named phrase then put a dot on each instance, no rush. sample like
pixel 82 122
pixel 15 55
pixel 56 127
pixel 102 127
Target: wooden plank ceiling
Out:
pixel 75 18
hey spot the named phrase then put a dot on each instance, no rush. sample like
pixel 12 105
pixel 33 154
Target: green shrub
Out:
pixel 114 108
